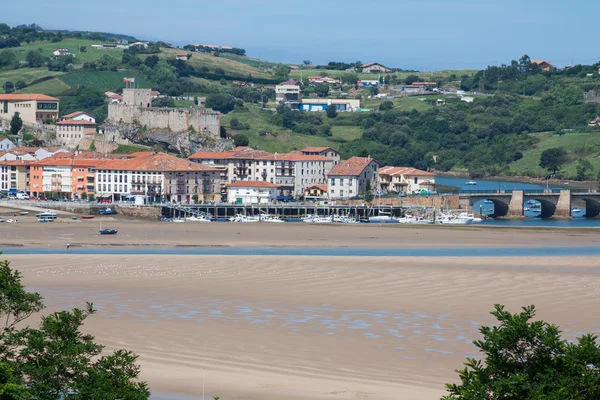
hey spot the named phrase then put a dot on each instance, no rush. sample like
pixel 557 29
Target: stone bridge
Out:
pixel 554 203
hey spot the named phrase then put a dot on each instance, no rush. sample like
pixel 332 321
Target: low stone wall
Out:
pixel 449 202
pixel 141 212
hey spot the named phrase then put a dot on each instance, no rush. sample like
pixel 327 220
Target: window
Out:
pixel 341 193
pixel 416 180
pixel 341 181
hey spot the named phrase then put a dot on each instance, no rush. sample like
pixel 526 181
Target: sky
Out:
pixel 426 35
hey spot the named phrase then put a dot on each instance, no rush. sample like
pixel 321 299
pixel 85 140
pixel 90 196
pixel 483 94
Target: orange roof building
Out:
pixel 349 178
pixel 31 107
pixel 158 176
pixel 405 180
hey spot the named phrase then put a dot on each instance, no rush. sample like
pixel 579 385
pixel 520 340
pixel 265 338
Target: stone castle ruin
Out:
pixel 184 130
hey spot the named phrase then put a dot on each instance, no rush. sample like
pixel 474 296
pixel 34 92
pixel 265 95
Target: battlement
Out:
pixel 201 120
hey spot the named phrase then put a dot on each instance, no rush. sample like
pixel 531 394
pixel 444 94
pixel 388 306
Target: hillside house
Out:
pixel 182 56
pixel 374 68
pixel 79 116
pixel 367 83
pixel 322 104
pixel 349 178
pixel 288 92
pixel 61 52
pixel 543 64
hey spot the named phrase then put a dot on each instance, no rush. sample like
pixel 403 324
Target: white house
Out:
pixel 251 192
pixel 79 116
pixel 349 178
pixel 61 52
pixel 288 91
pixel 6 145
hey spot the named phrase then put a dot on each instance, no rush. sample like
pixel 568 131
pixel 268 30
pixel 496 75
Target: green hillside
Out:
pixel 231 66
pixel 104 79
pixel 74 46
pixel 578 145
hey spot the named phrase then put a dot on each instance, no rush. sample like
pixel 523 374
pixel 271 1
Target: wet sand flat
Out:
pixel 295 327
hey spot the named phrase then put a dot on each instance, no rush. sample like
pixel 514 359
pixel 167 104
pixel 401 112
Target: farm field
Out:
pixel 230 66
pixel 26 75
pixel 52 87
pixel 577 145
pixel 73 45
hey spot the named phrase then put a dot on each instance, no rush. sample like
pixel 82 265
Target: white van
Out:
pixel 22 196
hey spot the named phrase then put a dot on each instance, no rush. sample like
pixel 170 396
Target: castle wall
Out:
pixel 174 119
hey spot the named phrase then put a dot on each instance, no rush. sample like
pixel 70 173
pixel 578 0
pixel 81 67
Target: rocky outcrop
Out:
pixel 184 143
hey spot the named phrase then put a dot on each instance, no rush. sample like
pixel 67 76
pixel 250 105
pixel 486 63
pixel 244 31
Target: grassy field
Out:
pixel 578 146
pixel 73 45
pixel 26 75
pixel 52 87
pixel 255 62
pixel 104 80
pixel 428 76
pixel 184 103
pixel 403 103
pixel 282 140
pixel 230 66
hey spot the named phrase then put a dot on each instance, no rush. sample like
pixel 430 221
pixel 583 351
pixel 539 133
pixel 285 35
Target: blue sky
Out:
pixel 416 34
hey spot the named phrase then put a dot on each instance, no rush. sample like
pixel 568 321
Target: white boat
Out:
pixel 471 183
pixel 244 218
pixel 380 218
pixel 197 219
pixel 576 210
pixel 470 216
pixel 461 219
pixel 271 218
pixel 488 202
pixel 46 215
pixel 178 220
pixel 24 213
pixel 11 221
pixel 316 219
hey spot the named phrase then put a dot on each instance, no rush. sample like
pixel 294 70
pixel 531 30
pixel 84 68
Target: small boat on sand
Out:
pixel 108 211
pixel 24 213
pixel 108 231
pixel 87 217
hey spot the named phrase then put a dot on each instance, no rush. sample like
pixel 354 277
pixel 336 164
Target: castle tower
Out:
pixel 137 97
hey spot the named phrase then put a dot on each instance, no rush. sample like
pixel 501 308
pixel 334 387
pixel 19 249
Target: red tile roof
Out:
pixel 26 97
pixel 217 155
pixel 353 166
pixel 324 188
pixel 317 149
pixel 408 171
pixel 75 114
pixel 138 154
pixel 157 162
pixel 15 162
pixel 73 122
pixel 301 157
pixel 73 162
pixel 253 184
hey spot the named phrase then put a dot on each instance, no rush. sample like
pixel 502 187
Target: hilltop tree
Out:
pixel 163 102
pixel 106 63
pixel 411 78
pixel 281 72
pixel 34 59
pixel 16 123
pixel 322 90
pixel 331 111
pixel 9 87
pixel 240 140
pixel 584 169
pixel 306 62
pixel 524 359
pixel 57 360
pixel 553 159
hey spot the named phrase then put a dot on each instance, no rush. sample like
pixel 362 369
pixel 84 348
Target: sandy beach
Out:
pixel 273 327
pixel 30 233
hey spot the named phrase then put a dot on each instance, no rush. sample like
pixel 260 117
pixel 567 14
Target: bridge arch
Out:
pixel 592 207
pixel 548 207
pixel 500 206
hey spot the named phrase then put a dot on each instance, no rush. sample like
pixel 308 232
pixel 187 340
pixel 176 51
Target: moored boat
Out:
pixel 108 231
pixel 108 211
pixel 471 183
pixel 87 217
pixel 49 215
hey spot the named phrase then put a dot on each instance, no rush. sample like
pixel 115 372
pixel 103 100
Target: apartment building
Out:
pixel 348 178
pixel 70 132
pixel 158 176
pixel 68 177
pixel 405 180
